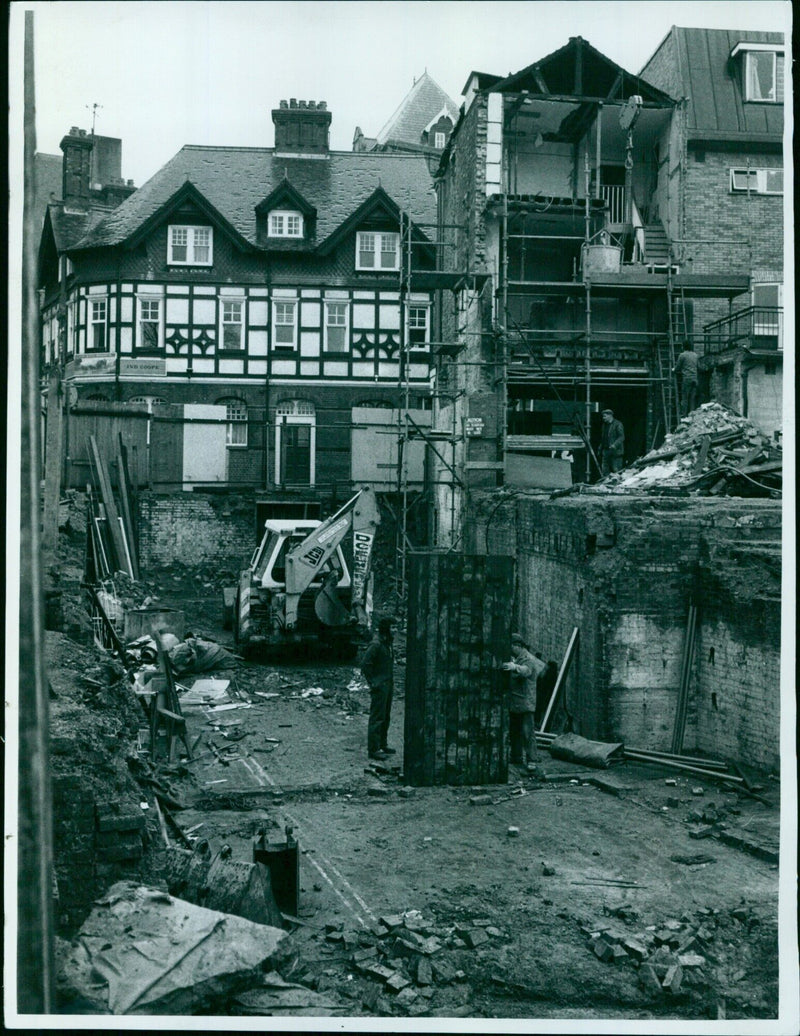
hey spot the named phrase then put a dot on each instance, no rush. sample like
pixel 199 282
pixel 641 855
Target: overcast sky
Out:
pixel 168 74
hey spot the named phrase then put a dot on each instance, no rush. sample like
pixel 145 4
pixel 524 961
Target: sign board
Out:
pixel 473 427
pixel 151 367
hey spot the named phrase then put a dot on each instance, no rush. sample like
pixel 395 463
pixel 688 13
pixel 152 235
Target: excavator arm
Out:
pixel 305 561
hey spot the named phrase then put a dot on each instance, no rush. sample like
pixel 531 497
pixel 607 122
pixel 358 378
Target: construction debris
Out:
pixel 141 951
pixel 714 451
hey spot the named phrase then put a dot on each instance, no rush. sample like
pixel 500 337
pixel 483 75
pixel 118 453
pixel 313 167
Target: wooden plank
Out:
pixel 104 485
pixel 562 672
pixel 125 507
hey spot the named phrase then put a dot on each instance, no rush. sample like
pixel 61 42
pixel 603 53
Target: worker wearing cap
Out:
pixel 377 665
pixel 525 669
pixel 612 443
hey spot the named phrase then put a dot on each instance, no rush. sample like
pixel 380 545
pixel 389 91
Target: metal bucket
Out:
pixel 598 259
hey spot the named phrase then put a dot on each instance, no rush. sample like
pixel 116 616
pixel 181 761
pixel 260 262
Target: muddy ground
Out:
pixel 515 916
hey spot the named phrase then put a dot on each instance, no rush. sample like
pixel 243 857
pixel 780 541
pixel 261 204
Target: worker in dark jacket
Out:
pixel 612 443
pixel 686 369
pixel 525 669
pixel 377 665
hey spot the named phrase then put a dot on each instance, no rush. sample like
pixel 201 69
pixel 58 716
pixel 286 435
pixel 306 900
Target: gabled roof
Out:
pixel 70 225
pixel 424 101
pixel 187 193
pixel 378 204
pixel 696 64
pixel 234 181
pixel 580 70
pixel 287 197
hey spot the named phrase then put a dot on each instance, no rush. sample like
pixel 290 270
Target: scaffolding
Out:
pixel 414 280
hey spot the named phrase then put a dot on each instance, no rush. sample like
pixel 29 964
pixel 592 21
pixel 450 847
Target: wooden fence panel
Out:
pixel 106 422
pixel 456 704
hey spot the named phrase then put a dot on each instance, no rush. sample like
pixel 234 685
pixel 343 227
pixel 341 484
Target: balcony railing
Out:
pixel 759 327
pixel 614 197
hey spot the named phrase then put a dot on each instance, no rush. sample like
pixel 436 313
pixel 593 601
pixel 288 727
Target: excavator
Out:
pixel 298 588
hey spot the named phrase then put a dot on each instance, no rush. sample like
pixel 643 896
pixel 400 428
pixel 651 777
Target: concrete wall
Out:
pixel 624 570
pixel 765 395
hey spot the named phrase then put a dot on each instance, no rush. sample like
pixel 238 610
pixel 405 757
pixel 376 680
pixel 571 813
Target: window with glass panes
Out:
pixel 236 416
pixel 763 75
pixel 190 246
pixel 149 323
pixel 232 325
pixel 284 321
pixel 98 312
pixel 418 325
pixel 285 224
pixel 336 327
pixel 377 251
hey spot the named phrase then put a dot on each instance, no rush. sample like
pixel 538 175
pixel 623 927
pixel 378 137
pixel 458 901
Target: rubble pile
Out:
pixel 714 451
pixel 668 957
pixel 404 965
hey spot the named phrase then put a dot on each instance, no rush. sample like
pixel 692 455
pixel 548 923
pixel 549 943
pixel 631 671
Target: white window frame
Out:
pixel 236 427
pixel 754 181
pixel 378 239
pixel 92 322
pixel 141 302
pixel 416 308
pixel 334 306
pixel 223 323
pixel 296 412
pixel 439 139
pixel 285 223
pixel 282 323
pixel 190 245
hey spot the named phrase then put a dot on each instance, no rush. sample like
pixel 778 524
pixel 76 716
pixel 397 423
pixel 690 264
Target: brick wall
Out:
pixel 196 529
pixel 624 570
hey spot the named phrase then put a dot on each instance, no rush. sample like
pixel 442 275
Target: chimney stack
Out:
pixel 302 127
pixel 76 167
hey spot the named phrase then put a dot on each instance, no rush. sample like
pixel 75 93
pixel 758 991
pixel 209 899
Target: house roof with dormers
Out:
pixel 235 181
pixel 699 65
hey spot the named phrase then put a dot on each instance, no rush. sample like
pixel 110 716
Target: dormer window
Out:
pixel 190 246
pixel 285 223
pixel 762 71
pixel 377 251
pixel 438 140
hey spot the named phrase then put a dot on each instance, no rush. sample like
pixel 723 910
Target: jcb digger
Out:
pixel 298 588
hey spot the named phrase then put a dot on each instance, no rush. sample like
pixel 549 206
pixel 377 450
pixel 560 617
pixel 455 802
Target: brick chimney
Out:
pixel 76 167
pixel 301 127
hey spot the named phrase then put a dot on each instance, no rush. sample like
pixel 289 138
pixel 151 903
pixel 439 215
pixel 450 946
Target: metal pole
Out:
pixel 588 363
pixel 35 973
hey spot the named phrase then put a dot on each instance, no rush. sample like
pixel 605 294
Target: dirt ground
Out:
pixel 516 887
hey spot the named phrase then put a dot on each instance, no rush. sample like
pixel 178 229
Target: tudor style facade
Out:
pixel 244 312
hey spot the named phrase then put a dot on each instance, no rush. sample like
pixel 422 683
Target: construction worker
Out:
pixel 526 669
pixel 612 443
pixel 377 665
pixel 686 369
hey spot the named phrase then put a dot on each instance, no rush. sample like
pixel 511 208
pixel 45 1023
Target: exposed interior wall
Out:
pixel 624 571
pixel 765 395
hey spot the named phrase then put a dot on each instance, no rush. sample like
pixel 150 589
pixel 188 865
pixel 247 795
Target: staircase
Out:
pixel 656 247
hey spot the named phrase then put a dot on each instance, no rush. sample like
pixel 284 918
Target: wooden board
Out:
pixel 107 496
pixel 459 633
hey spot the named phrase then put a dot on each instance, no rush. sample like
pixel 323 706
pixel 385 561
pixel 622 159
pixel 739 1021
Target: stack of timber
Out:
pixel 111 542
pixel 713 452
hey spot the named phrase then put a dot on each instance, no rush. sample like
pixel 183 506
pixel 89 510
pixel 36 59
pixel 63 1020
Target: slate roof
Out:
pixel 700 61
pixel 424 101
pixel 70 226
pixel 235 180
